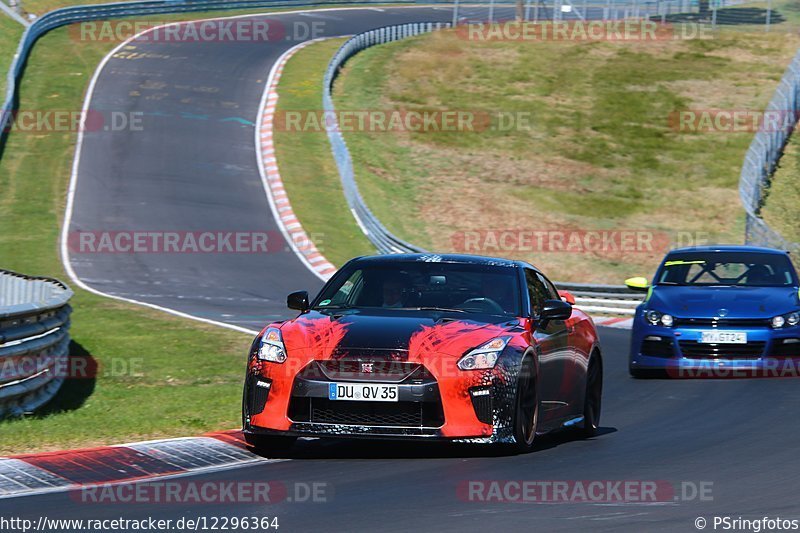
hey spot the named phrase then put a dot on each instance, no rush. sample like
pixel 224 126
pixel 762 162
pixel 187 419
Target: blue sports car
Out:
pixel 718 311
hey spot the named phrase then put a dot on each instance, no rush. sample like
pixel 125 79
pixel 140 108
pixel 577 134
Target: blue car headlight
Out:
pixel 789 319
pixel 655 318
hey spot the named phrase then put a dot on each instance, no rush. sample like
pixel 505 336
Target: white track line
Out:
pixel 270 175
pixel 76 165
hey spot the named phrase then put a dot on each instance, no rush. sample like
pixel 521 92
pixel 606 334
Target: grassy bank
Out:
pixel 599 150
pixel 159 376
pixel 10 32
pixel 307 167
pixel 782 208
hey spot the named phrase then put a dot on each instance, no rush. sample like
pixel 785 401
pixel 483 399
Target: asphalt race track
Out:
pixel 193 168
pixel 739 435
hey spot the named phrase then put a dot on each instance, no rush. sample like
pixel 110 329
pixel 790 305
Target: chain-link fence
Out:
pixel 767 15
pixel 763 155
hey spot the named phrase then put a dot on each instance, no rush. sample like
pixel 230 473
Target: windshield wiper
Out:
pixel 434 308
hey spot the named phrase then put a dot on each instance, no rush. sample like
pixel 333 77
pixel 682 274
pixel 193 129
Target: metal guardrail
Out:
pixel 762 158
pixel 34 341
pixel 600 299
pixel 383 240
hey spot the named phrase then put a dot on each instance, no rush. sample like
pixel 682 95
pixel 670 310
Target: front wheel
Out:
pixel 526 412
pixel 593 400
pixel 269 444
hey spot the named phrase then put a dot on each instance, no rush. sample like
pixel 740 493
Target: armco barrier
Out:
pixel 34 341
pixel 597 299
pixel 380 237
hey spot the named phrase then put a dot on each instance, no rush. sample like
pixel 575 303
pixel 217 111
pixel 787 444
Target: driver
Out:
pixel 392 294
pixel 498 290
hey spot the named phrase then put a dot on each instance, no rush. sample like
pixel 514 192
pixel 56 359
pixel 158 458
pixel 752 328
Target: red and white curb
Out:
pixel 613 322
pixel 72 469
pixel 282 211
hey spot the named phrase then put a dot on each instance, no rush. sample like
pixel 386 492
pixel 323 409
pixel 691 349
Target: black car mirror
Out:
pixel 298 301
pixel 555 310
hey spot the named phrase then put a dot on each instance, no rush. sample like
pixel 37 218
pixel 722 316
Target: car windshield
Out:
pixel 727 268
pixel 455 287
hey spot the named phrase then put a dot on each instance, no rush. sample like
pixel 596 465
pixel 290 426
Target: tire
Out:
pixel 269 444
pixel 593 399
pixel 526 408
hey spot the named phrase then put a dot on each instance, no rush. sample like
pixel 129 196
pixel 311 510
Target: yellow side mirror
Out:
pixel 638 284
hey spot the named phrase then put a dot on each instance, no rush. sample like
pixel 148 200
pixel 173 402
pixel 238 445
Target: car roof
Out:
pixel 440 258
pixel 729 248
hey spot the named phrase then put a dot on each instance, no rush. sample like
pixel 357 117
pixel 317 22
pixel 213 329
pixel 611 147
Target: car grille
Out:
pixel 354 370
pixel 256 396
pixel 722 322
pixel 781 348
pixel 392 414
pixel 657 347
pixel 483 408
pixel 696 350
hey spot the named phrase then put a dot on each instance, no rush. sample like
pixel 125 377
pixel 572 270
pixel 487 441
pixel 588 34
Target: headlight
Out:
pixel 485 356
pixel 655 318
pixel 790 319
pixel 272 348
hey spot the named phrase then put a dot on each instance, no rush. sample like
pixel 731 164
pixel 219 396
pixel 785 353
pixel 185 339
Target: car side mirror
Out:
pixel 298 301
pixel 555 310
pixel 567 297
pixel 638 284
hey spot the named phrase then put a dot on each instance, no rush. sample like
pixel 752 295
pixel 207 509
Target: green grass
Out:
pixel 160 376
pixel 782 208
pixel 307 167
pixel 191 373
pixel 599 152
pixel 10 32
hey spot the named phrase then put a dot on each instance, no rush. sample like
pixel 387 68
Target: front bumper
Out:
pixel 677 350
pixel 434 402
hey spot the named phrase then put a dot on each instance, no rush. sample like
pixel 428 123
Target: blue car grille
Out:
pixel 657 347
pixel 696 350
pixel 782 348
pixel 722 322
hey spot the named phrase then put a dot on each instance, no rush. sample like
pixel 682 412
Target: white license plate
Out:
pixel 723 337
pixel 362 392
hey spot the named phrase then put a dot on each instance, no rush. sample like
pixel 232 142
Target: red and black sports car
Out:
pixel 463 348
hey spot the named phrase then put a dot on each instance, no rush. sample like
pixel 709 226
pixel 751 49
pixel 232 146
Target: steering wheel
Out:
pixel 486 305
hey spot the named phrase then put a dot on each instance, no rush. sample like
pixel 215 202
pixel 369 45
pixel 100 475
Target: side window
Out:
pixel 537 291
pixel 552 293
pixel 349 290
